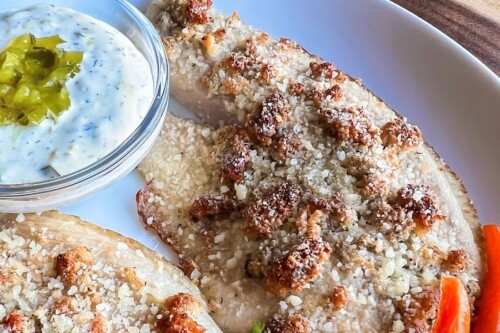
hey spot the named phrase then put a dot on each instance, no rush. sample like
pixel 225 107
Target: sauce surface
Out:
pixel 109 97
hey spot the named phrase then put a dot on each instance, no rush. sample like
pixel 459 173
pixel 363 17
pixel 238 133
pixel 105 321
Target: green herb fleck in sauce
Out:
pixel 33 74
pixel 257 327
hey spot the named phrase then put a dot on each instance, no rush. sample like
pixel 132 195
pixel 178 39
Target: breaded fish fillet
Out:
pixel 320 209
pixel 60 274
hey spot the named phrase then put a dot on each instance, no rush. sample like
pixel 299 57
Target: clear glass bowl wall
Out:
pixel 39 196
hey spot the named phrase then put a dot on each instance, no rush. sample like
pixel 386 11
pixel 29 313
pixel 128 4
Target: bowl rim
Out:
pixel 106 164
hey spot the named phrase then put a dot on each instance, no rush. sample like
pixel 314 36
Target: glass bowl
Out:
pixel 67 189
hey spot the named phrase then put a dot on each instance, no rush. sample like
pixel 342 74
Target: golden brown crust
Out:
pixel 350 124
pixel 400 135
pixel 288 144
pixel 66 305
pixel 270 211
pixel 419 312
pixel 15 322
pixel 196 11
pixel 324 70
pixel 336 206
pixel 175 319
pixel 421 204
pixel 174 322
pixel 339 297
pixel 67 264
pixel 132 279
pixel 271 114
pixel 237 145
pixel 456 260
pixel 292 324
pixel 98 323
pixel 100 262
pixel 300 266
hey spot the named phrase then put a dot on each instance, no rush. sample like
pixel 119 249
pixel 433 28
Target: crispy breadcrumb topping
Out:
pixel 270 211
pixel 271 113
pixel 400 135
pixel 292 324
pixel 352 159
pixel 297 268
pixel 339 297
pixel 67 264
pixel 53 286
pixel 175 319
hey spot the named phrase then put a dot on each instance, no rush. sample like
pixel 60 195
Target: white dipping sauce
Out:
pixel 109 97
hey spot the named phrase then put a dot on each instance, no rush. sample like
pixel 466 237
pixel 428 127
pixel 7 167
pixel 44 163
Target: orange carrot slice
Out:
pixel 453 313
pixel 488 319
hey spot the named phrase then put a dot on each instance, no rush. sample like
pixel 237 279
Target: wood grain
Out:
pixel 475 24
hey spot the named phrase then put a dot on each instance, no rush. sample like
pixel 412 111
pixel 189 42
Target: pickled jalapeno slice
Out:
pixel 33 76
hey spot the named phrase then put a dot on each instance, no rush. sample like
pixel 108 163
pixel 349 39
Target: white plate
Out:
pixel 416 69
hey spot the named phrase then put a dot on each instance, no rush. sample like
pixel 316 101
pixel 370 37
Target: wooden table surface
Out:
pixel 475 24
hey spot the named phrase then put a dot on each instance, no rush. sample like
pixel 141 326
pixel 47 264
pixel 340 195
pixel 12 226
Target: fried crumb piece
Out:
pixel 65 305
pixel 400 135
pixel 15 322
pixel 299 267
pixel 308 222
pixel 338 209
pixel 270 211
pixel 334 92
pixel 341 77
pixel 271 113
pixel 232 168
pixel 197 11
pixel 339 297
pixel 220 34
pixel 295 88
pixel 317 96
pixel 235 17
pixel 68 263
pixel 187 265
pixel 211 206
pixel 293 324
pixel 421 204
pixel 418 312
pixel 236 142
pixel 208 42
pixel 3 277
pixel 456 260
pixel 320 97
pixel 288 144
pixel 178 323
pixel 258 39
pixel 358 165
pixel 373 177
pixel 285 44
pixel 132 280
pixel 181 302
pixel 350 125
pixel 373 185
pixel 414 207
pixel 267 72
pixel 322 70
pixel 145 208
pixel 98 324
pixel 174 318
pixel 237 63
pixel 392 220
pixel 253 269
pixel 254 41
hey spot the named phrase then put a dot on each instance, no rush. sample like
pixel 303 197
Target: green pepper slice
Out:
pixel 33 76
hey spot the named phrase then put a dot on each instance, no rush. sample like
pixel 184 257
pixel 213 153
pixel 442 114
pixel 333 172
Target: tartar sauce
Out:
pixel 109 97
